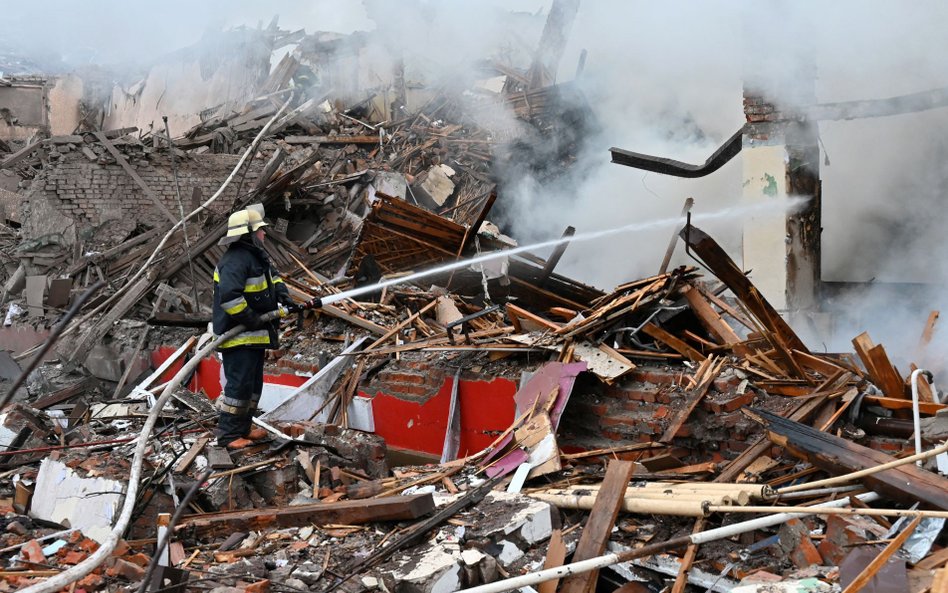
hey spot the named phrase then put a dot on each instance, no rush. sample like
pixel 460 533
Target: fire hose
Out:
pixel 71 575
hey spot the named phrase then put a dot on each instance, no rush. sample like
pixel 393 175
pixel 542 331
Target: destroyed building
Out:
pixel 458 414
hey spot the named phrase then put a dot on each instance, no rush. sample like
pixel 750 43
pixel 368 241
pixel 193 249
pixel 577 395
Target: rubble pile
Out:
pixel 474 425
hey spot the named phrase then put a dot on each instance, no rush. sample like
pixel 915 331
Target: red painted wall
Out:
pixel 487 408
pixel 208 377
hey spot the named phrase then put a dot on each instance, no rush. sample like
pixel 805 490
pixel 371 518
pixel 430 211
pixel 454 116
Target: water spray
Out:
pixel 786 205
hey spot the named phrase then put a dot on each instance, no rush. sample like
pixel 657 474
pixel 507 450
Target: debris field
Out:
pixel 482 423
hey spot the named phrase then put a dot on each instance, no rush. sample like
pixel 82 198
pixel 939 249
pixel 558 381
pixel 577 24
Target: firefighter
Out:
pixel 245 287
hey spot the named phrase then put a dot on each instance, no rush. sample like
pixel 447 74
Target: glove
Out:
pixel 313 303
pixel 250 320
pixel 284 299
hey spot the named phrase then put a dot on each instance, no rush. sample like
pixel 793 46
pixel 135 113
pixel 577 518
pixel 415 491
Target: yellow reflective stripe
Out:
pixel 240 306
pixel 277 280
pixel 256 284
pixel 217 277
pixel 253 338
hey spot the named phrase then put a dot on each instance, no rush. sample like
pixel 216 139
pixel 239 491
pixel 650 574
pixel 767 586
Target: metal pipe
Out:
pixel 819 492
pixel 702 537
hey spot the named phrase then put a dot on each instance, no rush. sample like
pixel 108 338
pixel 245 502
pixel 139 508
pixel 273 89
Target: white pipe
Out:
pixel 916 416
pixel 610 559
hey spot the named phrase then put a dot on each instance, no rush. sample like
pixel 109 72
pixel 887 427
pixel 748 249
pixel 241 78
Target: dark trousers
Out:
pixel 243 374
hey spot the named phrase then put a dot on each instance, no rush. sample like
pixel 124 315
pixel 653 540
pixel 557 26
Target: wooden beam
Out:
pixel 696 395
pixel 839 456
pixel 555 555
pixel 350 512
pixel 120 159
pixel 599 526
pixel 892 383
pixel 19 155
pixel 713 322
pixel 734 278
pixel 681 581
pixel 672 342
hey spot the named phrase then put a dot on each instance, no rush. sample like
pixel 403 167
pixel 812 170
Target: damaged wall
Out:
pixel 223 70
pixel 78 195
pixel 23 108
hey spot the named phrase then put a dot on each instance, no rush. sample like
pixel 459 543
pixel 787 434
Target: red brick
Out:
pixel 32 552
pixel 796 543
pixel 685 431
pixel 661 412
pixel 736 446
pixel 73 557
pixel 406 389
pixel 91 582
pixel 657 376
pixel 139 559
pixel 258 587
pixel 737 402
pixel 617 421
pixel 409 378
pixel 654 427
pixel 842 533
pixel 126 570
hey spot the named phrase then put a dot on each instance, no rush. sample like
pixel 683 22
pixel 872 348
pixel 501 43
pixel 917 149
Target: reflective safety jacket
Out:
pixel 246 285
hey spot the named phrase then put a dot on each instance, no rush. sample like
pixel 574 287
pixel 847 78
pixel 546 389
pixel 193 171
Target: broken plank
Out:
pixel 924 388
pixel 19 155
pixel 892 383
pixel 350 512
pixel 734 278
pixel 929 330
pixel 816 363
pixel 192 453
pixel 599 526
pixel 892 403
pixel 681 581
pixel 555 555
pixel 674 343
pixel 696 395
pixel 94 334
pixel 713 322
pixel 840 456
pixel 525 321
pixel 64 394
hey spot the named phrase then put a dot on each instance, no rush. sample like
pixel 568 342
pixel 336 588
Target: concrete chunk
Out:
pixel 87 504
